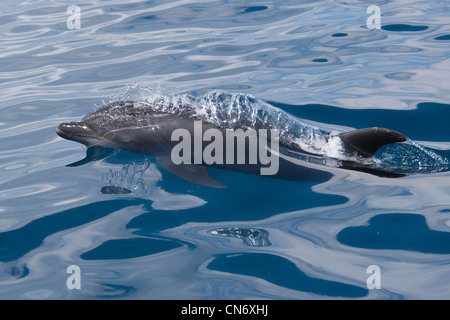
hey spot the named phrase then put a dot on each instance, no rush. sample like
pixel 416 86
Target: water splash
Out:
pixel 238 110
pixel 410 157
pixel 129 180
pixel 251 236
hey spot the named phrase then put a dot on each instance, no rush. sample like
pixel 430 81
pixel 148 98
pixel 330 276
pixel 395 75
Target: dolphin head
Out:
pixel 82 133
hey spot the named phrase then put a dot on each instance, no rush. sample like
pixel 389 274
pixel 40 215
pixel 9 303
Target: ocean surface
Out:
pixel 122 227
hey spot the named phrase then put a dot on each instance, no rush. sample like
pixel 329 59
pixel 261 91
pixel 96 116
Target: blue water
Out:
pixel 137 231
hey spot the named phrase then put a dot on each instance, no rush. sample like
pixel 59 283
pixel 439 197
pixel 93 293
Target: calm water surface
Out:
pixel 137 231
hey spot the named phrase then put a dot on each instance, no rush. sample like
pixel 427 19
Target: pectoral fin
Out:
pixel 365 142
pixel 93 154
pixel 191 172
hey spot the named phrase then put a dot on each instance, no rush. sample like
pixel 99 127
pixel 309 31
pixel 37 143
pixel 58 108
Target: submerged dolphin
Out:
pixel 147 128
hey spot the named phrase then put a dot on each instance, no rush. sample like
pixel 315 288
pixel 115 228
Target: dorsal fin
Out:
pixel 365 142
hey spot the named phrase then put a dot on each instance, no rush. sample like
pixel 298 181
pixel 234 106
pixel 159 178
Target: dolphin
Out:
pixel 146 128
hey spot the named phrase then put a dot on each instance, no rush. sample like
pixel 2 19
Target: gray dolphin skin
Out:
pixel 141 128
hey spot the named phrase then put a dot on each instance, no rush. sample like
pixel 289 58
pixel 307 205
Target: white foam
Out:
pixel 238 110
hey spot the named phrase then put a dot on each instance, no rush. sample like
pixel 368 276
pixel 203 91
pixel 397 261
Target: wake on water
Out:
pixel 238 110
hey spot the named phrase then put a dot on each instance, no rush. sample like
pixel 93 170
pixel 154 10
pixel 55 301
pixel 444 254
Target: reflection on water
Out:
pixel 138 231
pixel 129 248
pixel 273 268
pixel 18 242
pixel 114 190
pixel 397 231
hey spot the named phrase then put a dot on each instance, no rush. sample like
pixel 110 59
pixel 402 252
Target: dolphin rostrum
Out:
pixel 148 128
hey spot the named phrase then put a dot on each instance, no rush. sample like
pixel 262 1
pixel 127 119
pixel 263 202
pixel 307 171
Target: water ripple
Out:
pixel 137 231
